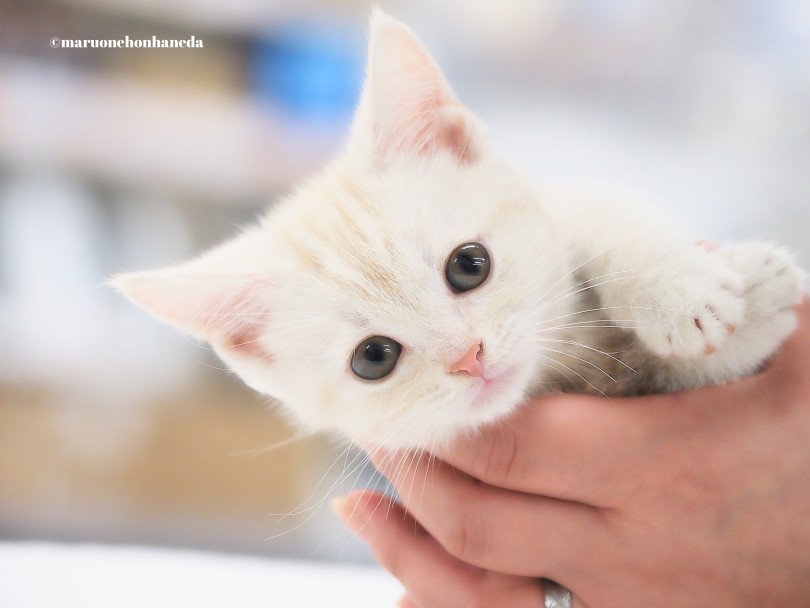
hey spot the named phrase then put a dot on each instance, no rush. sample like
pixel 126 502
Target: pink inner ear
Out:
pixel 246 343
pixel 413 109
pixel 235 320
pixel 229 311
pixel 453 134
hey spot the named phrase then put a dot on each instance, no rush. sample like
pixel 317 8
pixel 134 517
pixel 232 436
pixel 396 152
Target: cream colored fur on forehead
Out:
pixel 385 236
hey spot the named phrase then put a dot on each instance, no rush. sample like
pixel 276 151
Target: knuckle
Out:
pixel 502 456
pixel 466 537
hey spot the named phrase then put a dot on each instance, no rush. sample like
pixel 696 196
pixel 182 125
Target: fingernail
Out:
pixel 338 505
pixel 346 510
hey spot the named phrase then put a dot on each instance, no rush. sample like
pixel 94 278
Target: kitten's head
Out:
pixel 395 297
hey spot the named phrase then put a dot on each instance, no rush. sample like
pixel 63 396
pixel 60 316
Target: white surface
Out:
pixel 44 575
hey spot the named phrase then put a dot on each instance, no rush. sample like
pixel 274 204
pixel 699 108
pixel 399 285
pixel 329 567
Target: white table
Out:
pixel 48 575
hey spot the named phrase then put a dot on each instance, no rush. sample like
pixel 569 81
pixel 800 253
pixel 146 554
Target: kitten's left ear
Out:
pixel 407 106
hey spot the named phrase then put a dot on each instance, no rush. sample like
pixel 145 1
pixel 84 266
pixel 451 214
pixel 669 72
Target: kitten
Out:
pixel 419 287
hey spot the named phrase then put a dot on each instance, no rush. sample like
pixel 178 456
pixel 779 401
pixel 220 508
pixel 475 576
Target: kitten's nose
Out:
pixel 470 362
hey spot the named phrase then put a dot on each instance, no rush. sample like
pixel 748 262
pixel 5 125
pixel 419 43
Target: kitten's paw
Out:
pixel 693 308
pixel 772 285
pixel 772 281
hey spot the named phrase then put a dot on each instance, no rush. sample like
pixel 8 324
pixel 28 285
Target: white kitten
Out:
pixel 419 287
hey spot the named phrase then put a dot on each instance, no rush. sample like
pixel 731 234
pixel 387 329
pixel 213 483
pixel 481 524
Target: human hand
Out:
pixel 691 499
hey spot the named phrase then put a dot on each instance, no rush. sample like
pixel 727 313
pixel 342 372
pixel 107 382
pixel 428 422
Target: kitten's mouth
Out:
pixel 487 388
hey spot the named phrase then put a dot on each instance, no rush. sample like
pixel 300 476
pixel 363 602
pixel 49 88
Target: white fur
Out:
pixel 360 250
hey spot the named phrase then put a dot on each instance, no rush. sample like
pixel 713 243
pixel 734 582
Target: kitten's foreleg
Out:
pixel 652 276
pixel 686 302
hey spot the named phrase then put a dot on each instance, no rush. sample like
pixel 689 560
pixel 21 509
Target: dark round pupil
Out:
pixel 375 353
pixel 470 264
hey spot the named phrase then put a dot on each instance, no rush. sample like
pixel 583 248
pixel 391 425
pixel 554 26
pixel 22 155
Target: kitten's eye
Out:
pixel 467 267
pixel 375 357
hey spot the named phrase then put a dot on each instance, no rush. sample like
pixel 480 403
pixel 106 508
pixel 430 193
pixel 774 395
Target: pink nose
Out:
pixel 470 362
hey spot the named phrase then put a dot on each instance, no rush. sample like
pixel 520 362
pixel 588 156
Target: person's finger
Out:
pixel 572 447
pixel 401 545
pixel 492 528
pixel 404 548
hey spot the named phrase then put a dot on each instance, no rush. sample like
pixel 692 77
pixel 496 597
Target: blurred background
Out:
pixel 114 428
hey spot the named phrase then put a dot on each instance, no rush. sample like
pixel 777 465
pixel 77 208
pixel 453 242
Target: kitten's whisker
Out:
pixel 580 344
pixel 361 458
pixel 588 382
pixel 580 312
pixel 301 508
pixel 400 465
pixel 561 352
pixel 374 511
pixel 431 460
pixel 561 298
pixel 212 366
pixel 596 278
pixel 261 451
pixel 544 303
pixel 574 326
pixel 585 323
pixel 565 296
pixel 589 260
pixel 413 465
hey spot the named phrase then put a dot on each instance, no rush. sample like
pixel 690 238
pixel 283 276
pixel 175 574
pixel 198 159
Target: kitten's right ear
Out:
pixel 205 297
pixel 407 106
